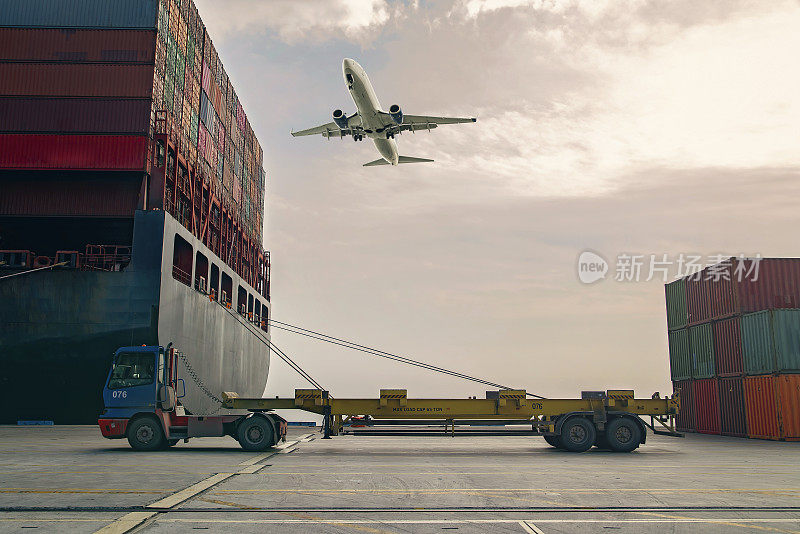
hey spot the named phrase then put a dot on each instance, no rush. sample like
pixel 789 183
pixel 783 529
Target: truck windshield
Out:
pixel 132 369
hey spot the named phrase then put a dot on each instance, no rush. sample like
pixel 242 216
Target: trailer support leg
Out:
pixel 326 423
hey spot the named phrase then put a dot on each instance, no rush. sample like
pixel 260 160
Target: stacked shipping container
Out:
pixel 81 83
pixel 734 345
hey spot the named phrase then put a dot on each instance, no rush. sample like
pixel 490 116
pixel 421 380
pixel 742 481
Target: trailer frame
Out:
pixel 557 419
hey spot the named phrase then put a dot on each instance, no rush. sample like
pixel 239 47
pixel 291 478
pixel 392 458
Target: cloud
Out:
pixel 565 110
pixel 293 21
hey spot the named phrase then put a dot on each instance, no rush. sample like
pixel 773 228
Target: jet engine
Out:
pixel 396 114
pixel 340 119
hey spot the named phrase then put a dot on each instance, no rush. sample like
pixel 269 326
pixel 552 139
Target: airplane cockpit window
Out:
pixel 349 78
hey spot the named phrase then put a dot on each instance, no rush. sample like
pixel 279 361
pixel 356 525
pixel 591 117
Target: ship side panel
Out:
pixel 59 329
pixel 221 348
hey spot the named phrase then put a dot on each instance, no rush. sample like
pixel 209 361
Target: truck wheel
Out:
pixel 623 434
pixel 145 434
pixel 577 434
pixel 553 441
pixel 255 434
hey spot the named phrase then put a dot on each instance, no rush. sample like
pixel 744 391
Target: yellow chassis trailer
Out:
pixel 609 419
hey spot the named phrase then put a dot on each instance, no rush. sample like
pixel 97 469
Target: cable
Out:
pixel 383 354
pixel 282 355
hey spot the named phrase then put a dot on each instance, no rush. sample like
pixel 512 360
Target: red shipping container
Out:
pixel 698 301
pixel 77 152
pixel 75 115
pixel 685 419
pixel 720 282
pixel 91 194
pixel 706 406
pixel 78 45
pixel 75 79
pixel 777 285
pixel 761 406
pixel 733 421
pixel 728 347
pixel 788 387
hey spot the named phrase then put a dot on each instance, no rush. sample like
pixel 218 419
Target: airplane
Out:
pixel 370 121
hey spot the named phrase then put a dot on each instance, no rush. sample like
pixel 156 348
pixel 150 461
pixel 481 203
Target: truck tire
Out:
pixel 255 434
pixel 145 434
pixel 623 434
pixel 553 441
pixel 578 434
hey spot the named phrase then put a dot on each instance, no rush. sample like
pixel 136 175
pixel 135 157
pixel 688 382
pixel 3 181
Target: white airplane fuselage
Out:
pixel 367 104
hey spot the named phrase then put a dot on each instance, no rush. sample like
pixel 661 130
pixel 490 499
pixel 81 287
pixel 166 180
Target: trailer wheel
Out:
pixel 623 434
pixel 577 434
pixel 145 434
pixel 255 434
pixel 553 441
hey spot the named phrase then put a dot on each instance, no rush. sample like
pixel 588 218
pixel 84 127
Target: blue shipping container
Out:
pixel 79 13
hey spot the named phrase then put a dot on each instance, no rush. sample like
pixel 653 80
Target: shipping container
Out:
pixel 771 341
pixel 721 287
pixel 675 293
pixel 74 115
pixel 76 79
pixel 70 45
pixel 788 387
pixel 758 345
pixel 767 283
pixel 65 195
pixel 685 419
pixel 698 301
pixel 761 407
pixel 701 344
pixel 706 406
pixel 733 419
pixel 728 347
pixel 786 337
pixel 83 14
pixel 76 152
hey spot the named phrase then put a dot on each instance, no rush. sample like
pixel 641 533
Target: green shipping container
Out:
pixel 193 129
pixel 679 355
pixel 677 316
pixel 771 342
pixel 701 343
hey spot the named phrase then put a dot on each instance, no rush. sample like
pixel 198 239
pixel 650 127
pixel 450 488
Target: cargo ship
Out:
pixel 131 206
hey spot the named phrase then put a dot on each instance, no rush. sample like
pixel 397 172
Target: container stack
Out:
pixel 80 84
pixel 734 346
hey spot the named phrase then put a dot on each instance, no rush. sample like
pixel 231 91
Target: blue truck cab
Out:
pixel 142 403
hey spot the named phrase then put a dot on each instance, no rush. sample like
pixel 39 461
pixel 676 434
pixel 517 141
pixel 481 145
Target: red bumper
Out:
pixel 113 428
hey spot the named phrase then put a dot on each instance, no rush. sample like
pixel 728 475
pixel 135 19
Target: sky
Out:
pixel 626 128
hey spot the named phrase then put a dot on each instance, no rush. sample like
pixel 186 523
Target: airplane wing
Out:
pixel 423 120
pixel 331 129
pixel 415 123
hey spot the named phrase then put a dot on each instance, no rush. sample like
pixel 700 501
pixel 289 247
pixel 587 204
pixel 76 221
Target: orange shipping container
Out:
pixel 760 398
pixel 789 402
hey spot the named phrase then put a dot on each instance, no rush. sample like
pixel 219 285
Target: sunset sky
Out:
pixel 627 127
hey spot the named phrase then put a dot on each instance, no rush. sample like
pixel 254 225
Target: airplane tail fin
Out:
pixel 401 159
pixel 409 159
pixel 380 161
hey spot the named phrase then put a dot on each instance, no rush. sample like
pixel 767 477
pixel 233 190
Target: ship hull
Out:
pixel 58 330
